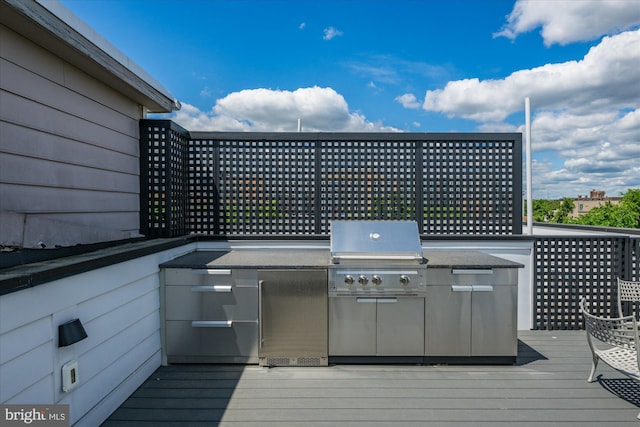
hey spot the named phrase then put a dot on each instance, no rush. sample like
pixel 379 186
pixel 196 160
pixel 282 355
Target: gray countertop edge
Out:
pixel 313 259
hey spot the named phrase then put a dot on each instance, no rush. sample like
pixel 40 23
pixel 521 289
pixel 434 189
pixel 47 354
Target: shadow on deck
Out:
pixel 546 386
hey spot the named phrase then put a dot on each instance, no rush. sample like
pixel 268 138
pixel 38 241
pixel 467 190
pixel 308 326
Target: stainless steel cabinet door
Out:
pixel 352 326
pixel 493 321
pixel 400 327
pixel 293 313
pixel 448 321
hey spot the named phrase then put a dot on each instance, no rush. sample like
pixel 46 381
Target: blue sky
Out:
pixel 403 65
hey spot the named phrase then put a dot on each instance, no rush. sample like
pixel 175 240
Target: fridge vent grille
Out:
pixel 294 361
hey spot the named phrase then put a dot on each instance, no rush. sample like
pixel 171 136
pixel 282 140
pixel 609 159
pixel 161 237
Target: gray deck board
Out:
pixel 546 387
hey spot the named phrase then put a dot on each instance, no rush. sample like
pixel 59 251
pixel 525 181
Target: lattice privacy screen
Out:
pixel 296 183
pixel 634 261
pixel 163 179
pixel 471 187
pixel 570 268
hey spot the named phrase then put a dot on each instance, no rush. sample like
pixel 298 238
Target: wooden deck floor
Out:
pixel 547 386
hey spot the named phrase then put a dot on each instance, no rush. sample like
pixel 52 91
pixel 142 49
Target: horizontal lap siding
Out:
pixel 68 144
pixel 66 150
pixel 119 308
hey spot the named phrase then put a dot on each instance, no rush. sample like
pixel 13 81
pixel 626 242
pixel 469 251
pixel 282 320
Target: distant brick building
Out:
pixel 584 204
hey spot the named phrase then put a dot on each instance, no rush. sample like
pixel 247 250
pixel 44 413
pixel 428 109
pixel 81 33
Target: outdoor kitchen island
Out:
pixel 270 306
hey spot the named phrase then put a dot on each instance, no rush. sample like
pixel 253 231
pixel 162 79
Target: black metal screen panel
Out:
pixel 570 268
pixel 289 184
pixel 204 200
pixel 164 177
pixel 367 180
pixel 266 187
pixel 471 187
pixel 634 259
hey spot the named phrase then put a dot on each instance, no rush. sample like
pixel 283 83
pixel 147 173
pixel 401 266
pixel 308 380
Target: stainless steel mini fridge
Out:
pixel 293 325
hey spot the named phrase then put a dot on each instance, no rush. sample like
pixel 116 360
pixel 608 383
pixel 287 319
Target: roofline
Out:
pixel 54 27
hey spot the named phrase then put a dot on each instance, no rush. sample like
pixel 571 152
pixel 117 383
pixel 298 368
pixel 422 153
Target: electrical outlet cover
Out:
pixel 70 376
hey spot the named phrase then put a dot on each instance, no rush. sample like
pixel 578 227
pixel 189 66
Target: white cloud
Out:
pixel 600 151
pixel 408 100
pixel 330 33
pixel 579 176
pixel 585 113
pixel 266 110
pixel 607 77
pixel 567 21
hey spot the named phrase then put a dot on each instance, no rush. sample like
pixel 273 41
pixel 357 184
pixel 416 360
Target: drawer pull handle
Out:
pixel 212 272
pixel 212 323
pixel 482 288
pixel 212 288
pixel 461 288
pixel 383 300
pixel 472 271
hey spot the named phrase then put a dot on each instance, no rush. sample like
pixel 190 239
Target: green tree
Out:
pixel 625 214
pixel 561 215
pixel 543 210
pixel 632 197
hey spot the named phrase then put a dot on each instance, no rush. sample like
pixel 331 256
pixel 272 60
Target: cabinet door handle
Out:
pixel 387 300
pixel 461 288
pixel 260 313
pixel 212 323
pixel 211 271
pixel 482 288
pixel 212 288
pixel 365 300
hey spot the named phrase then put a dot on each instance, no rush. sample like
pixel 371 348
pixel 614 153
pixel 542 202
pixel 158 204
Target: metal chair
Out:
pixel 628 291
pixel 614 340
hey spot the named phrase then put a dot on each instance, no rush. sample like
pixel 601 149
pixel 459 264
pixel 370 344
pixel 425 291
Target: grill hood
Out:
pixel 394 241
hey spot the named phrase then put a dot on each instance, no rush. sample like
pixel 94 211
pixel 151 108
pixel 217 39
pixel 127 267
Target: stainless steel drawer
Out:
pixel 460 276
pixel 211 338
pixel 211 302
pixel 210 276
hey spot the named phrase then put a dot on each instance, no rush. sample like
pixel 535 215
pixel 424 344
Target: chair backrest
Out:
pixel 618 331
pixel 628 291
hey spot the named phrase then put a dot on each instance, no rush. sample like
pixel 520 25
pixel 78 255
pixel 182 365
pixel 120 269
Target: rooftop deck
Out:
pixel 547 386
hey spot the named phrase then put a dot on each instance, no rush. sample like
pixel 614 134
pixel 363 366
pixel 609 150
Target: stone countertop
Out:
pixel 466 259
pixel 252 258
pixel 320 258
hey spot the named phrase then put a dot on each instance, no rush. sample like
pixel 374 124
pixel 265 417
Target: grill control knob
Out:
pixel 363 280
pixel 349 279
pixel 376 280
pixel 404 279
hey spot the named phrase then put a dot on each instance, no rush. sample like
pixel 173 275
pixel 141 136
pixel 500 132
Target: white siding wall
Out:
pixel 68 143
pixel 119 308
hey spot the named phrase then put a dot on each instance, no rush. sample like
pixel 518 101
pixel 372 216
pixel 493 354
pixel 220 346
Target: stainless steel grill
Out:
pixel 377 288
pixel 376 258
